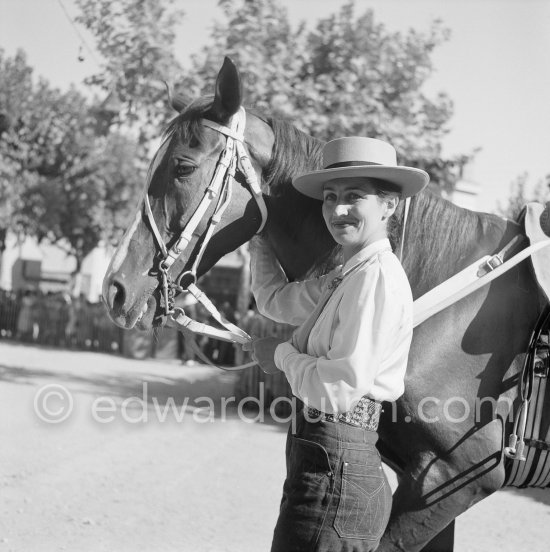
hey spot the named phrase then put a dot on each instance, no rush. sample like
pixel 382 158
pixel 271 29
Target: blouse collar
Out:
pixel 367 253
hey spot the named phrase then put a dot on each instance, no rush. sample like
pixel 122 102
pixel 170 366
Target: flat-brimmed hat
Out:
pixel 356 156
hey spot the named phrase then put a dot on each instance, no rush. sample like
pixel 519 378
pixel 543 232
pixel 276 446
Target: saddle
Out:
pixel 535 219
pixel 528 450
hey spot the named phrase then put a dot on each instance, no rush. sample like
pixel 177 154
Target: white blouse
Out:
pixel 359 344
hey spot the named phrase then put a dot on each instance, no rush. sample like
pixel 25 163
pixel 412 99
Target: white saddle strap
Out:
pixel 467 281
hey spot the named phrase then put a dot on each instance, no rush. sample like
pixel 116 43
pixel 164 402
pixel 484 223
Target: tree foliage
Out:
pixel 61 180
pixel 89 200
pixel 520 195
pixel 348 75
pixel 15 147
pixel 135 38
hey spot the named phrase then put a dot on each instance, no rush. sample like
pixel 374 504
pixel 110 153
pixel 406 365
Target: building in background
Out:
pixel 27 264
pixel 467 190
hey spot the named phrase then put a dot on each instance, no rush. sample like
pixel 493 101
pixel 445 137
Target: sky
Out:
pixel 495 68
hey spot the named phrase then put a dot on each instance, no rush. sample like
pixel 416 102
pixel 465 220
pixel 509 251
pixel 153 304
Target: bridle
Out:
pixel 219 191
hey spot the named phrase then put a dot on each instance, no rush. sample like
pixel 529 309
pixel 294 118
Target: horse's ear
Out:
pixel 228 95
pixel 178 101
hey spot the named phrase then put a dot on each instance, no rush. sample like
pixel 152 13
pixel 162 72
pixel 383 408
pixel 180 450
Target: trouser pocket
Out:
pixel 308 460
pixel 365 502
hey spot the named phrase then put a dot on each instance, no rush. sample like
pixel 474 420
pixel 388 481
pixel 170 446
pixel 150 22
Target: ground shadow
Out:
pixel 211 389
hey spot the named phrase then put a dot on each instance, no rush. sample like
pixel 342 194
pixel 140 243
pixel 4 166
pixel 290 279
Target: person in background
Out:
pixel 25 318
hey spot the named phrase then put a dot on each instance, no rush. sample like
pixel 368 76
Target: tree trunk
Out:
pixel 76 279
pixel 3 236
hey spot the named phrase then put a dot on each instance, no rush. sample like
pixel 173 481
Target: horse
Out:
pixel 445 435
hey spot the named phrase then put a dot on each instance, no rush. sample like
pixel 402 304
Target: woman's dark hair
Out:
pixel 392 225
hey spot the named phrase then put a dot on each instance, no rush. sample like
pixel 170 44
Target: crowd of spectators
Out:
pixel 57 319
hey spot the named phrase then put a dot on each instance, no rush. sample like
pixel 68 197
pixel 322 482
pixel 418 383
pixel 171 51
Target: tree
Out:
pixel 520 196
pixel 64 178
pixel 259 37
pixel 89 197
pixel 136 38
pixel 16 88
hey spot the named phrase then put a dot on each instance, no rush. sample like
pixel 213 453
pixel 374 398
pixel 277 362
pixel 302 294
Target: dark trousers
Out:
pixel 336 497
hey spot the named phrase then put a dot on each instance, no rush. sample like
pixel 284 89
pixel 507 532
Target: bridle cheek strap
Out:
pixel 243 159
pixel 234 154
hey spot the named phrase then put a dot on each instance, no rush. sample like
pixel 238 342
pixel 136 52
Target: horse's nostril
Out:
pixel 117 296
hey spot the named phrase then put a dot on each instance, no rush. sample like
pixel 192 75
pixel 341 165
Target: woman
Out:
pixel 348 354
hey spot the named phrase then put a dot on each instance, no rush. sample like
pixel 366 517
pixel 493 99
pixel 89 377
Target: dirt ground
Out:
pixel 100 453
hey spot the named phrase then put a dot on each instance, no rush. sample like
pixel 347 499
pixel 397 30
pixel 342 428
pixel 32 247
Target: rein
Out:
pixel 219 190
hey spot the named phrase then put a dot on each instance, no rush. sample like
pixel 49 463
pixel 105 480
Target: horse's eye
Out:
pixel 182 170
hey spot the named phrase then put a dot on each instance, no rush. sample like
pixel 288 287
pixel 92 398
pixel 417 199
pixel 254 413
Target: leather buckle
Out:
pixel 490 264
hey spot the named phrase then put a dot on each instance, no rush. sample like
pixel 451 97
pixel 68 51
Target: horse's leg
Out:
pixel 444 540
pixel 435 489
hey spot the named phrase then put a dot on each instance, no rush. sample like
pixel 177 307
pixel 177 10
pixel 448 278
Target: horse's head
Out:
pixel 178 232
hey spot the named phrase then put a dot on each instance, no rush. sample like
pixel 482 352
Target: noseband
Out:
pixel 234 155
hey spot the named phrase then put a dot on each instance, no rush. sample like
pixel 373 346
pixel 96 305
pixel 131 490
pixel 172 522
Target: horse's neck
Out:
pixel 295 226
pixel 303 248
pixel 441 239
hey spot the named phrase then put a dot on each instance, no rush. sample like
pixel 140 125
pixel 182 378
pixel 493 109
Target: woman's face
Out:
pixel 354 214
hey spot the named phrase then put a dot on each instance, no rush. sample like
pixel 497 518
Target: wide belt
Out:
pixel 365 414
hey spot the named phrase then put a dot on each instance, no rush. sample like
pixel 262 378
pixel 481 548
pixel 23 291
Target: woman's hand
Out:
pixel 263 352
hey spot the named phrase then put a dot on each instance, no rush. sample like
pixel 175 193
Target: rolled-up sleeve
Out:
pixel 369 315
pixel 276 297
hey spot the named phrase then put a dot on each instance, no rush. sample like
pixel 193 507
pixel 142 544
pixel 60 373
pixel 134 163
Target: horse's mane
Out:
pixel 447 236
pixel 185 127
pixel 294 153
